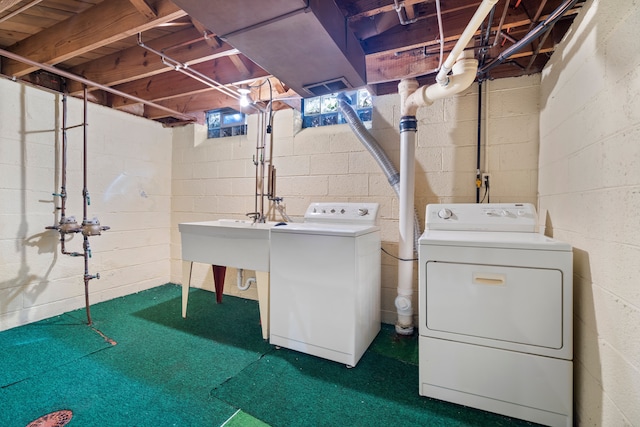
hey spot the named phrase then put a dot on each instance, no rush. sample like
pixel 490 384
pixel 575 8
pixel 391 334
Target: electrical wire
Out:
pixel 396 257
pixel 441 31
pixel 487 191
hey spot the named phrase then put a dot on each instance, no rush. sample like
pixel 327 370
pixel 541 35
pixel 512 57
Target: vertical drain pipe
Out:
pixel 464 68
pixel 408 129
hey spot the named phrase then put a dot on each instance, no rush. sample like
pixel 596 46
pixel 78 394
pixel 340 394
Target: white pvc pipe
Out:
pixel 464 73
pixel 464 68
pixel 476 20
pixel 247 284
pixel 403 303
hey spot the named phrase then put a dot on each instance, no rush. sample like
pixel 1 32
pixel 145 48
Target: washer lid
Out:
pixel 325 229
pixel 493 239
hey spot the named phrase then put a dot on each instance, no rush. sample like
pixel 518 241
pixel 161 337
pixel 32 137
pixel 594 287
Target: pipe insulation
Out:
pixel 374 148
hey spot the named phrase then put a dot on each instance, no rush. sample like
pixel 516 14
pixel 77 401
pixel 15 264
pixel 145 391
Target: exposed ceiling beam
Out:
pixel 98 26
pixel 7 4
pixel 366 8
pixel 388 67
pixel 208 100
pixel 144 8
pixel 170 85
pixel 137 62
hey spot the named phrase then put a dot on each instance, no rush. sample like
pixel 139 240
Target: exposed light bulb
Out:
pixel 245 99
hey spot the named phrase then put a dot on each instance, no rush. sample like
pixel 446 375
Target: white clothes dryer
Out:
pixel 325 282
pixel 495 312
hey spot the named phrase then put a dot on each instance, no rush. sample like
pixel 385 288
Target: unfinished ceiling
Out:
pixel 153 59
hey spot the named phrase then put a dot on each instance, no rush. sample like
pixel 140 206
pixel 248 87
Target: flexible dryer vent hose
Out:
pixel 378 154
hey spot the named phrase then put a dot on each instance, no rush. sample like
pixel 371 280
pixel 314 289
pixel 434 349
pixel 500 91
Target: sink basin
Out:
pixel 227 242
pixel 238 222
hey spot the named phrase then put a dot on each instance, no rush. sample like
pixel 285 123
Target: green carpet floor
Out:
pixel 142 364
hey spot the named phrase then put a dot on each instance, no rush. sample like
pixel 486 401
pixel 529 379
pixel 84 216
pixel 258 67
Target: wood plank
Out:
pixel 7 4
pixel 174 84
pixel 144 8
pixel 204 101
pixel 136 62
pixel 389 68
pixel 367 8
pixel 423 32
pixel 241 68
pixel 100 25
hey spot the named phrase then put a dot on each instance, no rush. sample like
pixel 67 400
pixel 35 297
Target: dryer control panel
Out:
pixel 518 217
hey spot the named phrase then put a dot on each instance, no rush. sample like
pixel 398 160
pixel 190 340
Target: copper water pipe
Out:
pixel 85 196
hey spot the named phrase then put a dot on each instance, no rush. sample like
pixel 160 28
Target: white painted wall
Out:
pixel 590 194
pixel 129 183
pixel 214 179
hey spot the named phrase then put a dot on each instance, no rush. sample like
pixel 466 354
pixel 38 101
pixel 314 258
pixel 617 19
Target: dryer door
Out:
pixel 493 303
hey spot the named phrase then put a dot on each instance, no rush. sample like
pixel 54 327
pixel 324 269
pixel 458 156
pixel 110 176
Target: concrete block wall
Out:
pixel 215 178
pixel 590 195
pixel 129 183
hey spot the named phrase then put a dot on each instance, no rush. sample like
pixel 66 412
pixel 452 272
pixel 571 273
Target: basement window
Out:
pixel 324 111
pixel 225 122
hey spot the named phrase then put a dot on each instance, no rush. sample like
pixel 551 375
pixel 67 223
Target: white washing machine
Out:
pixel 325 282
pixel 495 310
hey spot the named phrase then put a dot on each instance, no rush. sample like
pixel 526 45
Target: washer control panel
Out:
pixel 520 217
pixel 346 213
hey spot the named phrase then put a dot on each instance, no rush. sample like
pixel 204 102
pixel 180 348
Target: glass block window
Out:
pixel 324 111
pixel 226 122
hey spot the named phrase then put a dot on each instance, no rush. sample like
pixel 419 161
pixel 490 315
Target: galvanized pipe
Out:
pixel 88 82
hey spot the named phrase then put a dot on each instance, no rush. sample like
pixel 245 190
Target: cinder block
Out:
pixel 329 164
pixel 310 186
pixel 348 185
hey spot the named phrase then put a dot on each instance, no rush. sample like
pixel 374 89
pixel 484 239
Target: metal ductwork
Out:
pixel 305 43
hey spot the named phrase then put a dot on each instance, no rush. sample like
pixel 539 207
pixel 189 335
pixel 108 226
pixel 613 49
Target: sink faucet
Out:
pixel 256 217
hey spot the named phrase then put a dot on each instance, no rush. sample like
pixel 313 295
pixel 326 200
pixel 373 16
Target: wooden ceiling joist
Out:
pixel 8 4
pixel 98 26
pixel 136 62
pixel 144 8
pixel 169 85
pixel 97 41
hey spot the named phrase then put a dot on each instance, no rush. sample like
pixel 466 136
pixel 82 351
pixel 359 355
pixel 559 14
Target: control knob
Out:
pixel 445 213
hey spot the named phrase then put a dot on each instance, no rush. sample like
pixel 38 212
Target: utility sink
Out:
pixel 228 242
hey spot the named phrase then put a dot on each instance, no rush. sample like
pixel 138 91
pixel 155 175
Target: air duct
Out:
pixel 304 43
